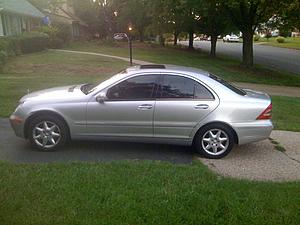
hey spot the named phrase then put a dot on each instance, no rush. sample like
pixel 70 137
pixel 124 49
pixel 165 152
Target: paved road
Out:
pixel 276 58
pixel 17 150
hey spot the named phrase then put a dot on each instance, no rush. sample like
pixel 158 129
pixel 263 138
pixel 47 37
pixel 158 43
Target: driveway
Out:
pixel 17 150
pixel 277 58
pixel 256 161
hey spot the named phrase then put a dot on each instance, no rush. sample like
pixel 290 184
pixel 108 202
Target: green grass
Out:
pixel 224 67
pixel 49 69
pixel 290 42
pixel 286 113
pixel 139 193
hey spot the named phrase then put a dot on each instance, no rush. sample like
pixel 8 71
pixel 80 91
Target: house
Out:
pixel 65 15
pixel 17 16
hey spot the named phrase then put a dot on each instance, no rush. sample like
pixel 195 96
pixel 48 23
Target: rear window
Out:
pixel 228 85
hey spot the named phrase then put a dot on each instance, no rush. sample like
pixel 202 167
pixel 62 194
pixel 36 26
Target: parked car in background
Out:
pixel 231 38
pixel 150 103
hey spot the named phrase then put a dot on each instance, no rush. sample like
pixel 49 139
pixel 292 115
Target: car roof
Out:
pixel 155 68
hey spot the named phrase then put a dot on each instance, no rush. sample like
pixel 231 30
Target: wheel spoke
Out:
pixel 206 139
pixel 39 129
pixel 45 141
pixel 223 139
pixel 218 134
pixel 215 148
pixel 52 141
pixel 222 146
pixel 46 126
pixel 54 134
pixel 37 136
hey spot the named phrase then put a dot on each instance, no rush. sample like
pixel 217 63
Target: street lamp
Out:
pixel 130 43
pixel 121 36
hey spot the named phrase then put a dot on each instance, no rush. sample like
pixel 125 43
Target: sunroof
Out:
pixel 153 66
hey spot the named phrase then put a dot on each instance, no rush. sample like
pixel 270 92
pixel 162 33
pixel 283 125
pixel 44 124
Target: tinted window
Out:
pixel 228 85
pixel 136 88
pixel 182 87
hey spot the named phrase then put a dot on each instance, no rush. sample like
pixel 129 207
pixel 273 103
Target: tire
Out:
pixel 47 133
pixel 214 141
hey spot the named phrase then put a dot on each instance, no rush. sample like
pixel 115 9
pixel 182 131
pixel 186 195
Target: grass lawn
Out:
pixel 139 192
pixel 286 113
pixel 290 42
pixel 223 67
pixel 49 69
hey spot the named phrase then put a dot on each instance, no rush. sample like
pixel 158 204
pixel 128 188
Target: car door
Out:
pixel 181 103
pixel 127 110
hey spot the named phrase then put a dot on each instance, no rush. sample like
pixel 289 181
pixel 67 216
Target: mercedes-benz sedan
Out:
pixel 150 103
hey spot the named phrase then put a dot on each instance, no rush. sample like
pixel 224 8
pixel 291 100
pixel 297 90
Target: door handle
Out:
pixel 201 106
pixel 145 107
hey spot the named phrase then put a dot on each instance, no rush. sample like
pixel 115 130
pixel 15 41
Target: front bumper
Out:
pixel 17 123
pixel 253 131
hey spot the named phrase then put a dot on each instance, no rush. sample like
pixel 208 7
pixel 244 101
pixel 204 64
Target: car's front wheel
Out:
pixel 47 133
pixel 214 141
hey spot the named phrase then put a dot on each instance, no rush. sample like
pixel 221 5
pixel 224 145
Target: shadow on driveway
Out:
pixel 17 150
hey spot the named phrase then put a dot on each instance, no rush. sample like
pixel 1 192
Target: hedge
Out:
pixel 22 44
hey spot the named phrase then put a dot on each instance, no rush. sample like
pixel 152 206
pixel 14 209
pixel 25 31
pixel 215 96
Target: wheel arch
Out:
pixel 236 138
pixel 44 113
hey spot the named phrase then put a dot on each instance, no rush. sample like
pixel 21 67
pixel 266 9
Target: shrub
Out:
pixel 33 42
pixel 256 37
pixel 59 34
pixel 22 44
pixel 280 39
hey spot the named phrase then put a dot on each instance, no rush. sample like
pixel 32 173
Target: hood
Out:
pixel 57 94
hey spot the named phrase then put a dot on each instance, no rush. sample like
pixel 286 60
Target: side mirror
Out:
pixel 101 98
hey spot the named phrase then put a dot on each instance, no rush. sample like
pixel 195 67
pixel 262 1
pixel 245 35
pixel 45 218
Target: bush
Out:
pixel 280 39
pixel 256 38
pixel 59 35
pixel 33 42
pixel 22 44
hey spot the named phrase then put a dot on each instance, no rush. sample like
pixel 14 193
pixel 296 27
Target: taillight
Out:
pixel 266 114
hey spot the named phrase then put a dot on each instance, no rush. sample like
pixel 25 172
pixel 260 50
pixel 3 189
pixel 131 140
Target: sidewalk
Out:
pixel 270 89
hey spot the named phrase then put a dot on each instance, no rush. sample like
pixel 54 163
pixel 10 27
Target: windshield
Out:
pixel 89 88
pixel 228 85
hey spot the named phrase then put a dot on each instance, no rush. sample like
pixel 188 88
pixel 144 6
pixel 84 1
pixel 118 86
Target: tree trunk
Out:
pixel 175 38
pixel 213 45
pixel 161 40
pixel 248 47
pixel 191 39
pixel 141 35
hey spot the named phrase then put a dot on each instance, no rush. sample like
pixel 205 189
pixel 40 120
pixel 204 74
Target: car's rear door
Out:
pixel 181 103
pixel 128 110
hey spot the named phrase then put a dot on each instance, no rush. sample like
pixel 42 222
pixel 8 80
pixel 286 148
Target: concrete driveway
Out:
pixel 273 57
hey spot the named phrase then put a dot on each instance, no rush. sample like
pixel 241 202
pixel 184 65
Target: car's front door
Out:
pixel 127 110
pixel 181 104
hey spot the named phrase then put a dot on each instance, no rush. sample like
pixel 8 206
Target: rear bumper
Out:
pixel 253 131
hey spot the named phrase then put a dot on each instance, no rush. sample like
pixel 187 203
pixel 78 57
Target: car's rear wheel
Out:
pixel 47 133
pixel 214 141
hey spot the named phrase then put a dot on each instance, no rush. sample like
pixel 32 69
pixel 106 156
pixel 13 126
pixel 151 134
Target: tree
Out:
pixel 132 12
pixel 247 15
pixel 213 21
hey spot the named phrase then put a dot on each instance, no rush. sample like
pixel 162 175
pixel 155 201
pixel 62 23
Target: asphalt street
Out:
pixel 273 57
pixel 17 150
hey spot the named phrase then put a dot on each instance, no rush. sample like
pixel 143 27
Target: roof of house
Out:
pixel 21 7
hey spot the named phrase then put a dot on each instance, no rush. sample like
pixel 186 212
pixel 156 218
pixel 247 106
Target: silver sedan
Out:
pixel 149 103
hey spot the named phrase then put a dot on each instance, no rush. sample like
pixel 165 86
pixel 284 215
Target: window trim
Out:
pixel 184 99
pixel 153 94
